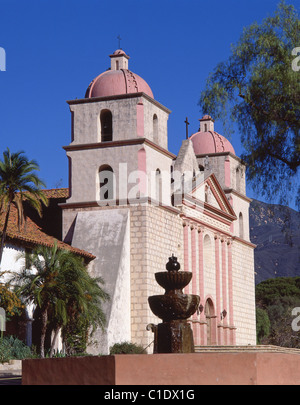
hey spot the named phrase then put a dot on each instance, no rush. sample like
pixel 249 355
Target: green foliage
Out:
pixel 66 294
pixel 126 348
pixel 9 301
pixel 275 299
pixel 12 348
pixel 263 325
pixel 270 291
pixel 75 336
pixel 258 89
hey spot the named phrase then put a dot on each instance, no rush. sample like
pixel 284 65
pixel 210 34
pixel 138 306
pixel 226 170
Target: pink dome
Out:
pixel 119 52
pixel 210 142
pixel 117 82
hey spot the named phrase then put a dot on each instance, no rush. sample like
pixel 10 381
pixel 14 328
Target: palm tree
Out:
pixel 84 305
pixel 57 281
pixel 18 183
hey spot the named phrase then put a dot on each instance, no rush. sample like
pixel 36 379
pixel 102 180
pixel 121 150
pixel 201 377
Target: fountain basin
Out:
pixel 174 306
pixel 173 280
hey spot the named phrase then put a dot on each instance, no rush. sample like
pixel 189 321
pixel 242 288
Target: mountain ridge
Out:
pixel 275 230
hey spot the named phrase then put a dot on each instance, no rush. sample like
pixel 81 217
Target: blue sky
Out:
pixel 55 48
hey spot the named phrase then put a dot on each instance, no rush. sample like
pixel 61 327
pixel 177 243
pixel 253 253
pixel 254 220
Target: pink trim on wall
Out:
pixel 230 199
pixel 218 292
pixel 230 293
pixel 142 167
pixel 201 286
pixel 186 251
pixel 194 253
pixel 224 287
pixel 194 281
pixel 140 119
pixel 201 223
pixel 207 210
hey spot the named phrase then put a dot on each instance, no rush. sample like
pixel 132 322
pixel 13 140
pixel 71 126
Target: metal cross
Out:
pixel 119 38
pixel 187 128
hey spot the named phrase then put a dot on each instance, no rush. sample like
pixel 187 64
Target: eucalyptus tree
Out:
pixel 257 90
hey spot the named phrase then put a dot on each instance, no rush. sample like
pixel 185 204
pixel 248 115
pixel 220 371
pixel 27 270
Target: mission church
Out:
pixel 131 204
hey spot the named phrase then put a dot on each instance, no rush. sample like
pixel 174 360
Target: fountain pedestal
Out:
pixel 175 337
pixel 174 334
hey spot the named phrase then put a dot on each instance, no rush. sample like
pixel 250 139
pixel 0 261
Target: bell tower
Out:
pixel 119 132
pixel 215 154
pixel 117 157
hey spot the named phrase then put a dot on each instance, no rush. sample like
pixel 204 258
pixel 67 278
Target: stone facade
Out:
pixel 156 204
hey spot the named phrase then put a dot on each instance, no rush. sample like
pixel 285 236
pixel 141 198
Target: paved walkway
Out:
pixel 10 379
pixel 11 373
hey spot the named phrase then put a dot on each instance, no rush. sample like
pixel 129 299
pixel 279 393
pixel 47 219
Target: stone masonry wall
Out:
pixel 243 293
pixel 156 233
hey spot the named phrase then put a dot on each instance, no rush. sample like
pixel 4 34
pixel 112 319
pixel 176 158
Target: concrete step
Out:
pixel 246 348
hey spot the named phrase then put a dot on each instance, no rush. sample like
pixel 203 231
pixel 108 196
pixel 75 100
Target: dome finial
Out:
pixel 119 60
pixel 206 123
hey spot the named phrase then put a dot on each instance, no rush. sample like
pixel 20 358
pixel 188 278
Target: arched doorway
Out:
pixel 209 312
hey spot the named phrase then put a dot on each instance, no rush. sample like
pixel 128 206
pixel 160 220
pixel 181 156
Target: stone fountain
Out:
pixel 174 334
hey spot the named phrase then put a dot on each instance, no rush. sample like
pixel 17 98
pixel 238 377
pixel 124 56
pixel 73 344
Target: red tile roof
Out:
pixel 57 193
pixel 31 234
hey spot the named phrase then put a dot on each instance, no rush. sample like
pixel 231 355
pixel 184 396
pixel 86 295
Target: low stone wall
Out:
pixel 12 367
pixel 205 368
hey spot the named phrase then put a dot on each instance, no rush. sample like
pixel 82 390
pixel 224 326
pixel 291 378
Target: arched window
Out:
pixel 241 226
pixel 155 128
pixel 107 183
pixel 106 126
pixel 201 168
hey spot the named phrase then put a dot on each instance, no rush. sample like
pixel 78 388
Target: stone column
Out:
pixel 230 295
pixel 29 311
pixel 201 286
pixel 224 289
pixel 186 250
pixel 218 291
pixel 195 324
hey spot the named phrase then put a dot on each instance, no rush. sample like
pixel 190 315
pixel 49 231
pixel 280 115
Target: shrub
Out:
pixel 263 325
pixel 12 348
pixel 126 348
